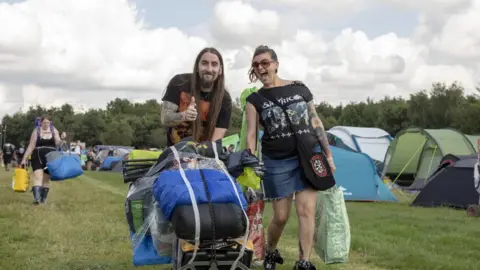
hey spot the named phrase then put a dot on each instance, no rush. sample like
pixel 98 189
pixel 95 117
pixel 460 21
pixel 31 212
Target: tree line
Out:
pixel 128 123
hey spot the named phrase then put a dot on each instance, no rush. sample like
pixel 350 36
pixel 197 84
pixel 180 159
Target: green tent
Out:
pixel 474 140
pixel 416 152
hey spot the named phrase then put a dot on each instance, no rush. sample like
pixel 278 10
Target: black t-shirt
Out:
pixel 178 92
pixel 278 141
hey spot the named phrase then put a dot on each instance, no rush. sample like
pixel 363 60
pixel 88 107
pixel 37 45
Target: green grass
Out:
pixel 83 227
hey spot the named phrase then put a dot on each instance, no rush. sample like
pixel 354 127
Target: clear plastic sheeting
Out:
pixel 160 230
pixel 152 234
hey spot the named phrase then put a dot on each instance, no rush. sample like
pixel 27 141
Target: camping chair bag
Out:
pixel 21 180
pixel 63 166
pixel 256 234
pixel 332 233
pixel 228 220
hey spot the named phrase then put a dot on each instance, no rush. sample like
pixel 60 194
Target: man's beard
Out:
pixel 207 84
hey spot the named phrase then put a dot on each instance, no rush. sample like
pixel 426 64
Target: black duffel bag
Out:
pixel 229 221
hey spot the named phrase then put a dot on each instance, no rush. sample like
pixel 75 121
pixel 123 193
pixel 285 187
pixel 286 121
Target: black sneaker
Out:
pixel 304 265
pixel 271 260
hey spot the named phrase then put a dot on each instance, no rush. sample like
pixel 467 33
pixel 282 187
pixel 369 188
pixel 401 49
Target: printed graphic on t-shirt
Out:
pixel 275 118
pixel 183 130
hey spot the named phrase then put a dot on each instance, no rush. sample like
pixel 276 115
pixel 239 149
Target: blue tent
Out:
pixel 357 176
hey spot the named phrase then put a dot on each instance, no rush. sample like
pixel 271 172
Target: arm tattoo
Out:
pixel 318 128
pixel 170 115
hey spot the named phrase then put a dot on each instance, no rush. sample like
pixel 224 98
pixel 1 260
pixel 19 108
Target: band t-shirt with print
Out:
pixel 278 140
pixel 178 92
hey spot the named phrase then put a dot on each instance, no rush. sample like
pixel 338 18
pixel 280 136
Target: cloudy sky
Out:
pixel 87 52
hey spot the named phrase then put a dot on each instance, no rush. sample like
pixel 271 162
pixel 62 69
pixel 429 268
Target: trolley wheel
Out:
pixel 473 211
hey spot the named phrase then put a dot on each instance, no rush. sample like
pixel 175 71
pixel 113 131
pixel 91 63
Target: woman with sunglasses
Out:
pixel 283 178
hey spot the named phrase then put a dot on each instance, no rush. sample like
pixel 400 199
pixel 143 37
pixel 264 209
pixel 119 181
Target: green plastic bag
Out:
pixel 249 179
pixel 332 227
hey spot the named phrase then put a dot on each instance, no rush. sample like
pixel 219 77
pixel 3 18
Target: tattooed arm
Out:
pixel 170 115
pixel 319 129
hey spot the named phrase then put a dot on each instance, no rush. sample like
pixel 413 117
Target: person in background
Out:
pixel 90 158
pixel 44 139
pixel 78 148
pixel 282 175
pixel 110 152
pixel 8 151
pixel 231 148
pixel 63 136
pixel 197 104
pixel 20 153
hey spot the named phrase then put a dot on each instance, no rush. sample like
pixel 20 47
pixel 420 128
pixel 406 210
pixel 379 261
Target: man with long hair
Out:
pixel 197 104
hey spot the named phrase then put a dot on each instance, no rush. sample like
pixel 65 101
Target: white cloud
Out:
pixel 89 52
pixel 94 43
pixel 323 7
pixel 460 36
pixel 236 22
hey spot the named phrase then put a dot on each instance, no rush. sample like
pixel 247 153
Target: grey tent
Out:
pixel 452 186
pixel 447 160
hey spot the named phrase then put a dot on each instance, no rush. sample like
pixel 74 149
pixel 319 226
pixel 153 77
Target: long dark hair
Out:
pixel 261 50
pixel 218 93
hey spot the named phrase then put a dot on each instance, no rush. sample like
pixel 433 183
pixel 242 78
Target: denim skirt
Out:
pixel 282 178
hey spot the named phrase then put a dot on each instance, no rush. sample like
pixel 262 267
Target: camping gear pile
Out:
pixel 187 210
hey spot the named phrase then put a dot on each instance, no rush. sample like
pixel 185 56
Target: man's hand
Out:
pixel 191 112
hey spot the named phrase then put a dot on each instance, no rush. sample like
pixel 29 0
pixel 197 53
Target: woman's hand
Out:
pixel 331 164
pixel 23 163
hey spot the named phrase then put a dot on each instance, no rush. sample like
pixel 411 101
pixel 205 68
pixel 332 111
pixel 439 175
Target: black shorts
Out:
pixel 7 159
pixel 39 159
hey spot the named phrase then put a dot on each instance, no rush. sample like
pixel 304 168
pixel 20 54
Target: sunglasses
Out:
pixel 264 63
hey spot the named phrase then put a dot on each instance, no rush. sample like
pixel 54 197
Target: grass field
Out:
pixel 83 227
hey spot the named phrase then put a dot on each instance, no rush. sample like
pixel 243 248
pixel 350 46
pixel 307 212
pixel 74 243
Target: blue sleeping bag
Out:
pixel 170 191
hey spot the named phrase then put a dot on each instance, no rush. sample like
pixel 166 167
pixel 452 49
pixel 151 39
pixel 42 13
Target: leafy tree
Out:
pixel 123 122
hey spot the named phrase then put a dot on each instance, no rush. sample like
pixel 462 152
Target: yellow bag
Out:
pixel 21 180
pixel 249 178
